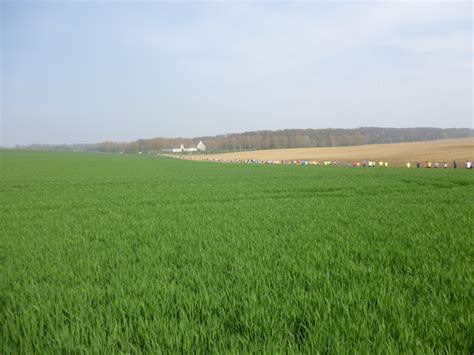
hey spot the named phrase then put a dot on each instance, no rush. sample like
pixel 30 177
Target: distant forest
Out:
pixel 288 138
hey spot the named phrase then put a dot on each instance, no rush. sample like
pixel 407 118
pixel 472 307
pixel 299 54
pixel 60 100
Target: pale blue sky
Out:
pixel 83 72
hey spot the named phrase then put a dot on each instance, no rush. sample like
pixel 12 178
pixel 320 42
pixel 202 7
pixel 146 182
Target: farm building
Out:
pixel 199 148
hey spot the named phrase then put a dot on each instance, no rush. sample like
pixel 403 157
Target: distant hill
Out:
pixel 288 138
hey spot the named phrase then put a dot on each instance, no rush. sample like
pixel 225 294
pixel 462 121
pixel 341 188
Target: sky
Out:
pixel 90 71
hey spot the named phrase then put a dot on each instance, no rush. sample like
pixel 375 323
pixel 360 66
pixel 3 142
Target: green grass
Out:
pixel 114 253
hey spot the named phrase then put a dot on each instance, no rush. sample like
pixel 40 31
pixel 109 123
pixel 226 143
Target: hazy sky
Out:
pixel 81 72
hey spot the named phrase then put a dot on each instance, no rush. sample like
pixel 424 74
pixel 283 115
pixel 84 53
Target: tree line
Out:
pixel 288 138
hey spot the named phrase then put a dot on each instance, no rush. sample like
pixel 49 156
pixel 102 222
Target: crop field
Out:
pixel 444 150
pixel 126 253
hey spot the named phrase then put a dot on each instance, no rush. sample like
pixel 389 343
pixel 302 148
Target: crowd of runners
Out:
pixel 366 163
pixel 437 165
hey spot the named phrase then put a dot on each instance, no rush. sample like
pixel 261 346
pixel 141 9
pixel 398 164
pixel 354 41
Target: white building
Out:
pixel 200 147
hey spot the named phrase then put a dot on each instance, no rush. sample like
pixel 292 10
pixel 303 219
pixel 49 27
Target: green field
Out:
pixel 120 253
